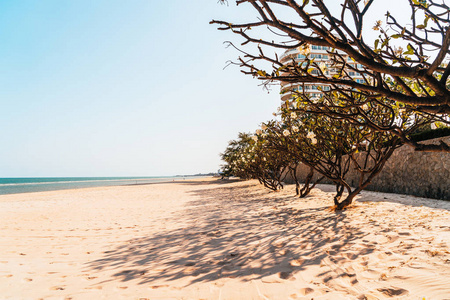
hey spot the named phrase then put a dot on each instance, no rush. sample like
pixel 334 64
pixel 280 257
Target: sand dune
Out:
pixel 210 239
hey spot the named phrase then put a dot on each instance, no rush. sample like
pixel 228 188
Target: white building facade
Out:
pixel 321 55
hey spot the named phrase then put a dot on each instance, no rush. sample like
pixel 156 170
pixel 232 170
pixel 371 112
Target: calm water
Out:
pixel 27 185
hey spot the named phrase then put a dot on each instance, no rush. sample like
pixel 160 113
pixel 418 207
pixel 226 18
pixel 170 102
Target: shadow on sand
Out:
pixel 410 200
pixel 239 232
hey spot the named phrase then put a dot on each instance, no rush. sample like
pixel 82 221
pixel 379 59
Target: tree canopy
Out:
pixel 405 68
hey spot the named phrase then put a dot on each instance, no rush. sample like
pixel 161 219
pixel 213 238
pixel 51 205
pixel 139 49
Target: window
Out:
pixel 326 88
pixel 319 56
pixel 351 73
pixel 319 47
pixel 300 56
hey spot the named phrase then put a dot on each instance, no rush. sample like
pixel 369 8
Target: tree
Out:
pixel 334 148
pixel 233 156
pixel 406 64
pixel 276 140
pixel 248 157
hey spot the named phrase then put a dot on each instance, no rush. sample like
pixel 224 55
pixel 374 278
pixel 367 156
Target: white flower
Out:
pixel 353 147
pixel 263 127
pixel 293 115
pixel 365 107
pixel 323 67
pixel 255 138
pixel 402 110
pixel 295 129
pixel 286 132
pixel 304 49
pixel 313 141
pixel 264 159
pixel 311 135
pixel 258 131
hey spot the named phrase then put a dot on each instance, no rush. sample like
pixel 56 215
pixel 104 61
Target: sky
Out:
pixel 121 88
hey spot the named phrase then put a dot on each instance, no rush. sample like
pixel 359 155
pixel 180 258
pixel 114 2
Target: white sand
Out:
pixel 206 239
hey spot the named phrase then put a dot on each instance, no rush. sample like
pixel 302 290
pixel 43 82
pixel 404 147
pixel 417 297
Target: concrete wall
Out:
pixel 424 174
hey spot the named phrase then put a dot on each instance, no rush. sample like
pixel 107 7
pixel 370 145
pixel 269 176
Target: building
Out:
pixel 321 56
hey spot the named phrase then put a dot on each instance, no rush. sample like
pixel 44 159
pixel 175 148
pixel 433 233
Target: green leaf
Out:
pixel 396 36
pixel 410 50
pixel 305 2
pixel 377 41
pixel 261 73
pixel 425 23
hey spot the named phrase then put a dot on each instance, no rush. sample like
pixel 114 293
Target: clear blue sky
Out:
pixel 121 88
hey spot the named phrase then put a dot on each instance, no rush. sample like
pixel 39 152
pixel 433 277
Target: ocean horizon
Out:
pixel 40 184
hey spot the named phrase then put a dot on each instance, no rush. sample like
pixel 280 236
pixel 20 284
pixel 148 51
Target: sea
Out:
pixel 40 184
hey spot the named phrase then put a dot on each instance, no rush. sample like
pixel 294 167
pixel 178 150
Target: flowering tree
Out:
pixel 405 64
pixel 234 157
pixel 278 137
pixel 248 157
pixel 334 148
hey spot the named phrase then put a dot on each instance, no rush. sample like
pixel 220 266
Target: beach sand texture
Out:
pixel 212 239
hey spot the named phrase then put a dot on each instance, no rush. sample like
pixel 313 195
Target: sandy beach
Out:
pixel 213 239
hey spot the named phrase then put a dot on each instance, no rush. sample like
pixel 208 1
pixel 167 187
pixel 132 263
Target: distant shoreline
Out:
pixel 42 184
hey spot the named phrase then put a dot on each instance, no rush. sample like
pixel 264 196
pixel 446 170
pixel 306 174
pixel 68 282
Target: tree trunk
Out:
pixel 293 172
pixel 349 200
pixel 346 202
pixel 339 192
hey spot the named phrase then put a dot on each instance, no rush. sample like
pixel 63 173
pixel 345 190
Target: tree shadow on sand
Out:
pixel 410 200
pixel 236 232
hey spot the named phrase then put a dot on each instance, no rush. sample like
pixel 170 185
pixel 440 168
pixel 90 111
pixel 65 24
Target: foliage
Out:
pixel 405 68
